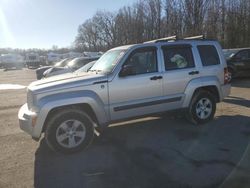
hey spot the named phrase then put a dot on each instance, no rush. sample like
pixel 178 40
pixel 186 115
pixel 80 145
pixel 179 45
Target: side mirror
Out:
pixel 127 70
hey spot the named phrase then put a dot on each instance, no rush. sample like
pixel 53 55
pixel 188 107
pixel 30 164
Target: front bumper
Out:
pixel 27 120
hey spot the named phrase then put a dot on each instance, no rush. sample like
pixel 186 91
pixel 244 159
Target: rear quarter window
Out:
pixel 209 55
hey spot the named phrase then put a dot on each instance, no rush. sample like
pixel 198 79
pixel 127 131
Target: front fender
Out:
pixel 51 102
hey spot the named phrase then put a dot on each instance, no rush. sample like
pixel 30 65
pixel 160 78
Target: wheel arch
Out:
pixel 90 103
pixel 210 84
pixel 212 89
pixel 85 107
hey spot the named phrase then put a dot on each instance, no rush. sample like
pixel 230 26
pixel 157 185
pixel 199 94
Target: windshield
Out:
pixel 78 63
pixel 72 63
pixel 108 61
pixel 61 63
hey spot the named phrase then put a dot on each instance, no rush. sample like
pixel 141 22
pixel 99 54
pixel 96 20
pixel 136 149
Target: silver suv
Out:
pixel 127 82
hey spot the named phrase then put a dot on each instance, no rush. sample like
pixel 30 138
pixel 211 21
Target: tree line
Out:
pixel 42 52
pixel 225 20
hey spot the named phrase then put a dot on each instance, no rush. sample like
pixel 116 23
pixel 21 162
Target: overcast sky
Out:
pixel 43 23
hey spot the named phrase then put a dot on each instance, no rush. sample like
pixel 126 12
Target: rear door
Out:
pixel 179 70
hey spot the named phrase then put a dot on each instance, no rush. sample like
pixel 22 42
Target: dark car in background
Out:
pixel 238 61
pixel 71 66
pixel 41 70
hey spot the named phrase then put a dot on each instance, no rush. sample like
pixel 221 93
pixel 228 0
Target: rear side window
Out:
pixel 209 55
pixel 178 57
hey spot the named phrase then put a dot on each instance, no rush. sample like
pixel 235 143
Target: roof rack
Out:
pixel 171 38
pixel 195 37
pixel 174 38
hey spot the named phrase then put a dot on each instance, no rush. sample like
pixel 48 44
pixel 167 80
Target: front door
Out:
pixel 139 92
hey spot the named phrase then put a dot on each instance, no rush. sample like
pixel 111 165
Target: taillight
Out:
pixel 227 76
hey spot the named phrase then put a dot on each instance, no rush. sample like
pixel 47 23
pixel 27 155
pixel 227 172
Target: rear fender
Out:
pixel 197 83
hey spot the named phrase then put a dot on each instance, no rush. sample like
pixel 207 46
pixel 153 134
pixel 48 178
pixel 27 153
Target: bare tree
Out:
pixel 225 20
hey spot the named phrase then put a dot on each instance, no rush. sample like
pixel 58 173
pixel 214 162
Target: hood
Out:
pixel 65 81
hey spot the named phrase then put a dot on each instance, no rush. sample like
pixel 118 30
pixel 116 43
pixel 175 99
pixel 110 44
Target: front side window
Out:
pixel 178 57
pixel 209 55
pixel 143 61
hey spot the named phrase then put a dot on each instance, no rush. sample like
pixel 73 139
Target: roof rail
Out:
pixel 174 38
pixel 195 37
pixel 171 38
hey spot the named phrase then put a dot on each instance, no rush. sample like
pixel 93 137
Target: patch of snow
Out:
pixel 11 86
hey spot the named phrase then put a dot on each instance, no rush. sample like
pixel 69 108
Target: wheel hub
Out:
pixel 70 133
pixel 203 108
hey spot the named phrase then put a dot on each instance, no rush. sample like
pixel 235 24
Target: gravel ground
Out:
pixel 158 151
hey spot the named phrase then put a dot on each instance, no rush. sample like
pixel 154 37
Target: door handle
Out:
pixel 193 72
pixel 156 78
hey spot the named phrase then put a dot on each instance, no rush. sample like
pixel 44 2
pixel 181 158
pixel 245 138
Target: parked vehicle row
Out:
pixel 34 60
pixel 71 66
pixel 41 70
pixel 127 82
pixel 64 66
pixel 9 61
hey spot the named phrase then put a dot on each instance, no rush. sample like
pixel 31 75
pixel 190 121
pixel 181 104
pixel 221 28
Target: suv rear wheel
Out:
pixel 202 107
pixel 69 131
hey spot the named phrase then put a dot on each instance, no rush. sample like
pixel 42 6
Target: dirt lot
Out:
pixel 159 151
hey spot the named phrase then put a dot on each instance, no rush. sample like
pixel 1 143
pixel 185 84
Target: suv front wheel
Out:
pixel 202 107
pixel 69 131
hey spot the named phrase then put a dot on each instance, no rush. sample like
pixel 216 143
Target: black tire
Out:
pixel 54 126
pixel 193 114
